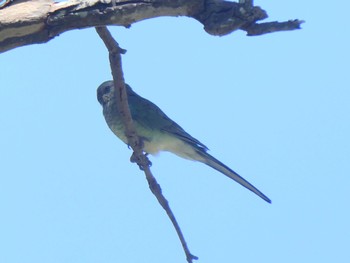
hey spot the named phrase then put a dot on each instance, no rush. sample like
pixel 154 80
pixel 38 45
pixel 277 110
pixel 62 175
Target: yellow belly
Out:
pixel 155 142
pixel 171 144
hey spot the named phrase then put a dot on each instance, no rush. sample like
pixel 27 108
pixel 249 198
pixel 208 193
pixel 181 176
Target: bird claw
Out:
pixel 141 162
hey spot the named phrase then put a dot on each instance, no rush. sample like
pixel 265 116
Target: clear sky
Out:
pixel 275 108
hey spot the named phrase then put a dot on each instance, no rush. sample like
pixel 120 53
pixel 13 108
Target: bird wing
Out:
pixel 150 116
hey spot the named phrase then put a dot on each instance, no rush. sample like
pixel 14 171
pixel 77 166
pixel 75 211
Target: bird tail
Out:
pixel 219 166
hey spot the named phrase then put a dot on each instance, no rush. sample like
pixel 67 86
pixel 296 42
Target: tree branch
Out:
pixel 133 140
pixel 264 28
pixel 25 22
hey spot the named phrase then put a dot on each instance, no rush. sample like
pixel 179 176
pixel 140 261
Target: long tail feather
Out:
pixel 219 166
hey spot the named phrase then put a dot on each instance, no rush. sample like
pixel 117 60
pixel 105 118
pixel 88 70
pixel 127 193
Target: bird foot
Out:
pixel 142 161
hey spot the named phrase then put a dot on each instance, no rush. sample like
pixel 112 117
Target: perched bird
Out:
pixel 159 133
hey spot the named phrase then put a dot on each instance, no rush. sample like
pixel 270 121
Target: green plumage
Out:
pixel 160 133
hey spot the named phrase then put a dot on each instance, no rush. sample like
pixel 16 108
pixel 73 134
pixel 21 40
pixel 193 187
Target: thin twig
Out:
pixel 133 140
pixel 269 27
pixel 157 191
pixel 119 84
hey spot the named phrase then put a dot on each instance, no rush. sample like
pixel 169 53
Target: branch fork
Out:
pixel 25 22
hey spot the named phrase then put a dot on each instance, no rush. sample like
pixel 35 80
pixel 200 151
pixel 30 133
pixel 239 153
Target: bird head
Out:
pixel 105 92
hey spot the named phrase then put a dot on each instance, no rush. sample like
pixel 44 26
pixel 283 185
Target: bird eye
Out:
pixel 107 89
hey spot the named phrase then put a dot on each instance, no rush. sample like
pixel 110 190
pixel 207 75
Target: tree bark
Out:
pixel 25 22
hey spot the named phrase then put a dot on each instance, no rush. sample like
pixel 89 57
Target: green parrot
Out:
pixel 159 133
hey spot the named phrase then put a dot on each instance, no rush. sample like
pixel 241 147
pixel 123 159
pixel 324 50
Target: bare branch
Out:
pixel 133 140
pixel 25 22
pixel 157 191
pixel 264 28
pixel 120 91
pixel 222 17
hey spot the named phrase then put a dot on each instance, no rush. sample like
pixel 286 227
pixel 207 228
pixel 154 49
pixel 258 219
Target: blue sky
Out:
pixel 275 108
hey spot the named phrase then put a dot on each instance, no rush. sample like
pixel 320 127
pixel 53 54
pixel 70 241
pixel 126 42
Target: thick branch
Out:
pixel 133 140
pixel 25 22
